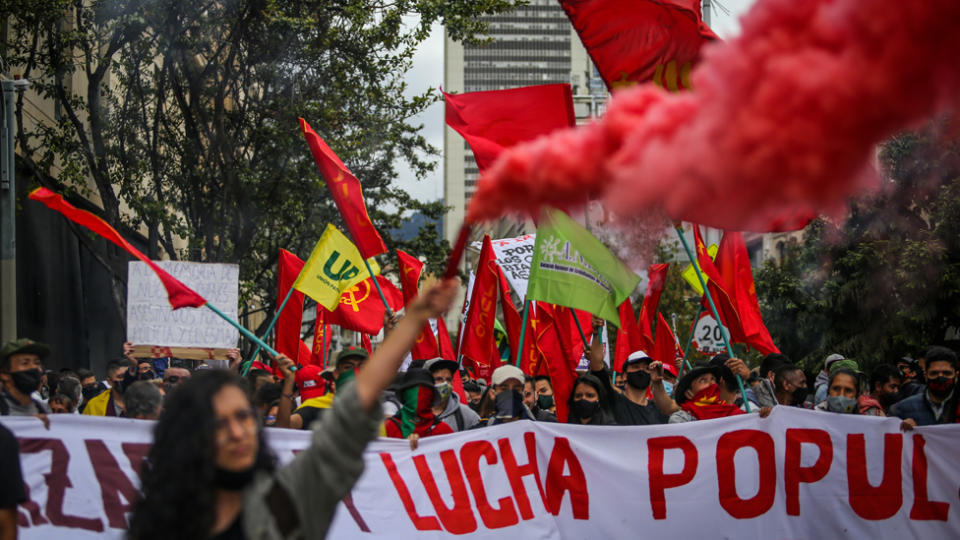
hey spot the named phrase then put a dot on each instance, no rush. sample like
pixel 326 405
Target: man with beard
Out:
pixel 885 383
pixel 110 402
pixel 21 373
pixel 938 404
pixel 633 407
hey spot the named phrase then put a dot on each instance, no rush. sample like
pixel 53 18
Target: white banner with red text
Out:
pixel 796 474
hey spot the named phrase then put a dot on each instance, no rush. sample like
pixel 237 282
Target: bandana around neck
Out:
pixel 706 404
pixel 416 415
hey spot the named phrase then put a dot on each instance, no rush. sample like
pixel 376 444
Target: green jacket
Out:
pixel 298 500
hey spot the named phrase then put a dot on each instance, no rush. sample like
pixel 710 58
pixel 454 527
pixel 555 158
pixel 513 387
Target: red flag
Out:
pixel 347 193
pixel 562 374
pixel 733 264
pixel 321 331
pixel 496 119
pixel 365 343
pixel 410 270
pixel 178 294
pixel 287 331
pixel 722 297
pixel 629 338
pixel 531 358
pixel 571 342
pixel 635 41
pixel 361 308
pixel 478 341
pixel 511 316
pixel 445 345
pixel 656 278
pixel 665 346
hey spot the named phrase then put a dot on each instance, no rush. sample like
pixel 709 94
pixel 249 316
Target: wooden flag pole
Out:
pixel 713 307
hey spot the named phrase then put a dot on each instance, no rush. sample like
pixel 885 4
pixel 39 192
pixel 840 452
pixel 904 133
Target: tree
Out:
pixel 885 283
pixel 180 118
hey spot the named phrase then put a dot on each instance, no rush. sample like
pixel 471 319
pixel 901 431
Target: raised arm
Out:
pixel 380 370
pixel 664 402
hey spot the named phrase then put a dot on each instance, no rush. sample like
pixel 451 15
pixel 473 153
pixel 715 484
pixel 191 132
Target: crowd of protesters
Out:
pixel 429 398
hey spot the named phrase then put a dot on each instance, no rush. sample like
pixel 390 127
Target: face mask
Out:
pixel 444 390
pixel 27 381
pixel 544 402
pixel 121 385
pixel 232 480
pixel 799 395
pixel 841 404
pixel 638 379
pixel 90 391
pixel 887 399
pixel 147 375
pixel 508 404
pixel 940 387
pixel 585 409
pixel 668 387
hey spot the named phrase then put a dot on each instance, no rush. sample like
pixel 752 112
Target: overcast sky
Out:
pixel 427 71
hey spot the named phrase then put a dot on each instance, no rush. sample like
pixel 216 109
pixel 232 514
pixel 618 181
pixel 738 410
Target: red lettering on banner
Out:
pixel 113 484
pixel 459 519
pixel 727 448
pixel 515 473
pixel 557 483
pixel 660 482
pixel 57 484
pixel 422 523
pixel 794 474
pixel 885 500
pixel 33 508
pixel 493 518
pixel 923 508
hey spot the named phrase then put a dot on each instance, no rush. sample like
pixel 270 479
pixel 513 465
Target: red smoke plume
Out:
pixel 782 120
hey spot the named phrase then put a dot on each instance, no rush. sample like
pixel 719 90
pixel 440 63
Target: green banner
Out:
pixel 572 268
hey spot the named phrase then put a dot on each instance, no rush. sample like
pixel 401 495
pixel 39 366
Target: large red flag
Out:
pixel 722 297
pixel 347 193
pixel 635 41
pixel 556 361
pixel 361 308
pixel 478 342
pixel 570 340
pixel 656 278
pixel 511 316
pixel 425 347
pixel 287 330
pixel 665 346
pixel 629 338
pixel 733 264
pixel 178 294
pixel 496 119
pixel 444 343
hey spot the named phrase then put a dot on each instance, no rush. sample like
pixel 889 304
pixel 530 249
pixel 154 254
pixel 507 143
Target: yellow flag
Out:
pixel 690 274
pixel 334 266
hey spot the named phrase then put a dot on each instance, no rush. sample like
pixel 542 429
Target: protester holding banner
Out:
pixel 539 405
pixel 209 471
pixel 938 403
pixel 416 418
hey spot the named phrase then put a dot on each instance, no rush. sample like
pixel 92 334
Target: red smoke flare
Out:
pixel 782 120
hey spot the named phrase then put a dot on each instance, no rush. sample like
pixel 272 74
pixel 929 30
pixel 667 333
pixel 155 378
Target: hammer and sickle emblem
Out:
pixel 349 297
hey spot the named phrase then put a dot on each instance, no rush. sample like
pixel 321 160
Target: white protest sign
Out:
pixel 795 474
pixel 707 335
pixel 151 320
pixel 514 256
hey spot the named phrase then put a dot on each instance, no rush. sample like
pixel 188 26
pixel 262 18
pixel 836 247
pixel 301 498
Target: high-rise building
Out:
pixel 533 44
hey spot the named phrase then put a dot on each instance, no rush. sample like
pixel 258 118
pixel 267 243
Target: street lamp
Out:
pixel 8 208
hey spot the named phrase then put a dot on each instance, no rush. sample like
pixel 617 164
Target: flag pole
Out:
pixel 248 334
pixel 379 290
pixel 686 350
pixel 580 329
pixel 523 329
pixel 266 333
pixel 713 307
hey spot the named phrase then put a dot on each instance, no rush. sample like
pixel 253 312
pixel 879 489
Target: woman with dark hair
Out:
pixel 589 403
pixel 210 473
pixel 845 394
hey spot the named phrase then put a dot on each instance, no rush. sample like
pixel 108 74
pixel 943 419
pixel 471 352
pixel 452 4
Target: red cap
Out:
pixel 309 381
pixel 671 368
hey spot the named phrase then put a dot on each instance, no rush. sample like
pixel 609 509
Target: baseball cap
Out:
pixel 352 352
pixel 441 363
pixel 831 359
pixel 503 373
pixel 310 381
pixel 24 346
pixel 637 356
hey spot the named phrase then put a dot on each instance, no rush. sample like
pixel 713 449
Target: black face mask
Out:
pixel 585 409
pixel 887 399
pixel 147 375
pixel 27 381
pixel 638 379
pixel 233 480
pixel 544 402
pixel 90 391
pixel 940 387
pixel 121 385
pixel 799 396
pixel 508 404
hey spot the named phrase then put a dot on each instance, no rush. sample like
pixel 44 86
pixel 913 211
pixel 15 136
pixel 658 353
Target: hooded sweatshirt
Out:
pixel 468 418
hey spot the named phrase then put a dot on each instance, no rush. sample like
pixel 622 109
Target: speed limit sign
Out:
pixel 707 335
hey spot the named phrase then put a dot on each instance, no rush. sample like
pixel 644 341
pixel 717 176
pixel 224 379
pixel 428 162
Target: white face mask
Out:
pixel 668 386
